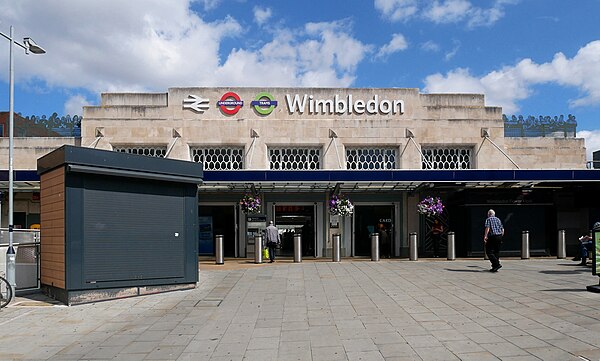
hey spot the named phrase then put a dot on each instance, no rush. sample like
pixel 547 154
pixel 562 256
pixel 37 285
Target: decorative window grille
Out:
pixel 219 158
pixel 152 150
pixel 371 158
pixel 294 158
pixel 446 158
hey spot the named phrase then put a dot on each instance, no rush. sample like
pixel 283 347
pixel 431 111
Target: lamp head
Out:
pixel 32 46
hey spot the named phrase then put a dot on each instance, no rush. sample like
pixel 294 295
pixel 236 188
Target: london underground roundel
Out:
pixel 230 103
pixel 264 103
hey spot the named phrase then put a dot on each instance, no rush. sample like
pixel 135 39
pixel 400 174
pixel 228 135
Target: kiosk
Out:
pixel 116 224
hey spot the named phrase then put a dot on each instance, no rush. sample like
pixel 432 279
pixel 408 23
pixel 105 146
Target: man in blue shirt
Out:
pixel 492 239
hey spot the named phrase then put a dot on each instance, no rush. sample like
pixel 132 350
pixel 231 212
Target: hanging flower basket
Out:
pixel 340 205
pixel 430 206
pixel 250 203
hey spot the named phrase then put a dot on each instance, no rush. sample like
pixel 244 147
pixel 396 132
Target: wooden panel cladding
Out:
pixel 52 232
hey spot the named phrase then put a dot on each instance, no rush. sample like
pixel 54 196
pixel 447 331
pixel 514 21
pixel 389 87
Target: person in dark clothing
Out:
pixel 492 239
pixel 436 236
pixel 384 241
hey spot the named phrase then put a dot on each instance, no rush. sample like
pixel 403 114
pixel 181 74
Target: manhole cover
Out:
pixel 208 303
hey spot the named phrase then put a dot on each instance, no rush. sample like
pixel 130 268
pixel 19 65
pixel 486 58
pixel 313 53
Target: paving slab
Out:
pixel 317 310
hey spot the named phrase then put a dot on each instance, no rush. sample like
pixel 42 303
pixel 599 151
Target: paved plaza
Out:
pixel 537 309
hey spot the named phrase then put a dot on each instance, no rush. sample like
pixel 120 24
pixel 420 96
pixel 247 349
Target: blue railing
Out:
pixel 542 126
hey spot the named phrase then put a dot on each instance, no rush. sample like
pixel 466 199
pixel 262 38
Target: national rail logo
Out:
pixel 264 103
pixel 230 103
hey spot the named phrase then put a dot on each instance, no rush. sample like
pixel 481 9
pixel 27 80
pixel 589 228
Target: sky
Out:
pixel 531 57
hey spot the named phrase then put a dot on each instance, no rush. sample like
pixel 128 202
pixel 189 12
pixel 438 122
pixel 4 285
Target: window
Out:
pixel 149 150
pixel 294 158
pixel 219 158
pixel 446 158
pixel 371 158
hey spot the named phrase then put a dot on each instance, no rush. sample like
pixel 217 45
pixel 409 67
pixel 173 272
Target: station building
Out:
pixel 383 149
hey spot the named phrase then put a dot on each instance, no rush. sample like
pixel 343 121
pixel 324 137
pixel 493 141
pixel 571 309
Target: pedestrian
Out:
pixel 384 241
pixel 273 240
pixel 586 245
pixel 492 239
pixel 436 236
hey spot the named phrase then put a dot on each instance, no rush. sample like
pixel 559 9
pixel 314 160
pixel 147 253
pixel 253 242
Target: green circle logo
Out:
pixel 264 103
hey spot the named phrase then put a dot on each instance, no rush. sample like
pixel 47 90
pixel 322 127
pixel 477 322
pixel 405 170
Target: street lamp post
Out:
pixel 29 46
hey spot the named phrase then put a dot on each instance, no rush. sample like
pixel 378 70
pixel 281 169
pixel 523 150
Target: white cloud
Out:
pixel 506 86
pixel 592 141
pixel 261 15
pixel 397 10
pixel 449 11
pixel 151 45
pixel 74 105
pixel 450 54
pixel 210 4
pixel 457 11
pixel 430 46
pixel 398 43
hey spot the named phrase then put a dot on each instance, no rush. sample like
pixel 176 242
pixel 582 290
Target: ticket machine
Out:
pixel 255 225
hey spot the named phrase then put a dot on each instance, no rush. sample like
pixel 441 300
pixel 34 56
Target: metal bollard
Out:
pixel 335 240
pixel 219 249
pixel 525 245
pixel 561 252
pixel 258 240
pixel 297 248
pixel 374 246
pixel 412 246
pixel 451 247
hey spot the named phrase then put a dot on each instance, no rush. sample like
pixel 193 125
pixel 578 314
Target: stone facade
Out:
pixel 433 119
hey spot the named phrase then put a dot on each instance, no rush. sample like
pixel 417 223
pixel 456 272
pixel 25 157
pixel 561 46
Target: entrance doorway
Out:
pixel 214 220
pixel 371 219
pixel 296 219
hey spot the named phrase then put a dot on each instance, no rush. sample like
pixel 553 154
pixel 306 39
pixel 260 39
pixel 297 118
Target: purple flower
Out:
pixel 430 206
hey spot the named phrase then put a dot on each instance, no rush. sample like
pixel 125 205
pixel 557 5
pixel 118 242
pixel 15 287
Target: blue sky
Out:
pixel 532 57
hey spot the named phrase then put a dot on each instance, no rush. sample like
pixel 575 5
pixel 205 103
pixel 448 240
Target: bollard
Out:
pixel 258 240
pixel 412 246
pixel 561 251
pixel 375 247
pixel 297 248
pixel 336 247
pixel 525 245
pixel 219 249
pixel 451 249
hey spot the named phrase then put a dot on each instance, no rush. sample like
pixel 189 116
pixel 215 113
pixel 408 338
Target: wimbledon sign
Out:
pixel 338 105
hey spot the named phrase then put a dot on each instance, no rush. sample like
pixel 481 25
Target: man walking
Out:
pixel 492 239
pixel 273 239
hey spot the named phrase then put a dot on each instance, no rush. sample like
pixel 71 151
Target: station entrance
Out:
pixel 214 220
pixel 292 220
pixel 373 219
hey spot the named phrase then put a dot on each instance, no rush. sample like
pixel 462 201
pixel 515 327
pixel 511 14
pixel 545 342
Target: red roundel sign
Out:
pixel 230 103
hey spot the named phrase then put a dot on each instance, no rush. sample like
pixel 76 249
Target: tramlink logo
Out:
pixel 196 103
pixel 340 105
pixel 264 103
